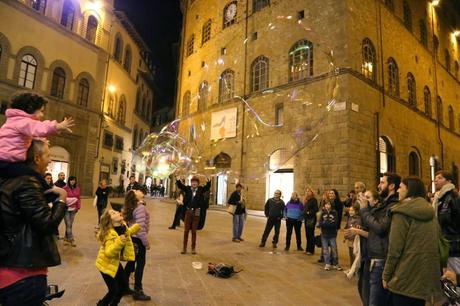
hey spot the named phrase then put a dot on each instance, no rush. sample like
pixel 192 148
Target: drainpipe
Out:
pixel 244 87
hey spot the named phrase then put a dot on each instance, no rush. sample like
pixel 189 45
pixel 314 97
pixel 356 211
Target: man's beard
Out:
pixel 384 193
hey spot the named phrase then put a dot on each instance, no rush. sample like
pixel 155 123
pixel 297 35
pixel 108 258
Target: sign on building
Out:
pixel 223 124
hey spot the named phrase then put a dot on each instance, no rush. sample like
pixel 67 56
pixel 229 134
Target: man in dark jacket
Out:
pixel 274 209
pixel 236 199
pixel 61 180
pixel 377 220
pixel 134 185
pixel 27 245
pixel 447 205
pixel 194 203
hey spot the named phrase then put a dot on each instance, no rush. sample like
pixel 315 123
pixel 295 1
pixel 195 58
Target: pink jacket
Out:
pixel 73 193
pixel 18 131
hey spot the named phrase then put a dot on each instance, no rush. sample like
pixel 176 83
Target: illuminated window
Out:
pixel 91 29
pixel 28 71
pixel 411 90
pixel 58 83
pixel 301 60
pixel 386 156
pixel 393 77
pixel 368 67
pixel 259 71
pixel 38 5
pixel 68 14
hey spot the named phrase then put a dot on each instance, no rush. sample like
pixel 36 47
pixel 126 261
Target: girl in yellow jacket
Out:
pixel 116 245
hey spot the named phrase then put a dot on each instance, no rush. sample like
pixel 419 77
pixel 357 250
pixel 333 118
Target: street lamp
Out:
pixel 112 88
pixel 435 2
pixel 456 33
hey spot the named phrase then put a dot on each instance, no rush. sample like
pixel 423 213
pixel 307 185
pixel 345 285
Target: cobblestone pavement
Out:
pixel 268 278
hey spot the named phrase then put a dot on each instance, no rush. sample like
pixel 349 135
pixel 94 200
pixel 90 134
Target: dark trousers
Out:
pixel 100 209
pixel 402 300
pixel 116 287
pixel 296 224
pixel 378 295
pixel 29 291
pixel 136 266
pixel 310 236
pixel 272 222
pixel 177 216
pixel 190 223
pixel 363 281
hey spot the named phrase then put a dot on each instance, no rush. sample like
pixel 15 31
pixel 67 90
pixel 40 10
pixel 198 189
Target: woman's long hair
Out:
pixel 130 204
pixel 72 178
pixel 415 187
pixel 104 225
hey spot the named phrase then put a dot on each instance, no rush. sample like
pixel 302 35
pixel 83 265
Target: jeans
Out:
pixel 138 265
pixel 363 281
pixel 116 287
pixel 100 209
pixel 402 300
pixel 238 224
pixel 29 291
pixel 190 223
pixel 69 217
pixel 272 222
pixel 377 294
pixel 310 236
pixel 297 225
pixel 330 257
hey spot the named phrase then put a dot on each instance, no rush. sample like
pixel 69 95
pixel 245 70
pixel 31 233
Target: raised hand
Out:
pixel 66 124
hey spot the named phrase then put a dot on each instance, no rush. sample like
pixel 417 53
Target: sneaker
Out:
pixel 337 267
pixel 327 267
pixel 184 251
pixel 235 240
pixel 320 260
pixel 72 243
pixel 299 249
pixel 262 245
pixel 172 227
pixel 308 253
pixel 139 295
pixel 193 251
pixel 241 239
pixel 128 291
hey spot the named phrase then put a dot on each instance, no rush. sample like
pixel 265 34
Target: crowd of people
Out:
pixel 394 235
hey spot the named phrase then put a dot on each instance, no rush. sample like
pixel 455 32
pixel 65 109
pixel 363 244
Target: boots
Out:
pixel 139 295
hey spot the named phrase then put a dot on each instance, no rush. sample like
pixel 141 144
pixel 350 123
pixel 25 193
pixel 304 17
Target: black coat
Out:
pixel 135 186
pixel 449 220
pixel 235 199
pixel 309 213
pixel 28 223
pixel 198 201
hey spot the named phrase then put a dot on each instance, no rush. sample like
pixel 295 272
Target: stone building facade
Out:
pixel 90 63
pixel 389 69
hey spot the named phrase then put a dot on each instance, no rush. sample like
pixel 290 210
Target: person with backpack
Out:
pixel 293 212
pixel 274 210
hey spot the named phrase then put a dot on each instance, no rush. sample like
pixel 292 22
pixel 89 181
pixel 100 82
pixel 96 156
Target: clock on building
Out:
pixel 230 12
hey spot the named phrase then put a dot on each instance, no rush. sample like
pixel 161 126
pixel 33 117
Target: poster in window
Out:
pixel 223 124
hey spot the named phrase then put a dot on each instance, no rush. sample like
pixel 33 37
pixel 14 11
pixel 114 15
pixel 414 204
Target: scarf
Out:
pixel 439 194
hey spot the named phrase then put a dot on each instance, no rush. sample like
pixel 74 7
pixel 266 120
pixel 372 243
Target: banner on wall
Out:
pixel 223 124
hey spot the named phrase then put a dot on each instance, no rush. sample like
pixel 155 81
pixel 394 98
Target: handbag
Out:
pixel 231 209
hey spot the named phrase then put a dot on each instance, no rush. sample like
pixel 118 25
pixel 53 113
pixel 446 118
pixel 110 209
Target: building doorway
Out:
pixel 221 190
pixel 280 174
pixel 60 161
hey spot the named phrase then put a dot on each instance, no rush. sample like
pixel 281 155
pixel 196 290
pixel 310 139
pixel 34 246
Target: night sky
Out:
pixel 159 24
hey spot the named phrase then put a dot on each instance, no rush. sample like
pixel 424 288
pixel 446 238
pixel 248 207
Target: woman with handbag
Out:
pixel 236 205
pixel 310 211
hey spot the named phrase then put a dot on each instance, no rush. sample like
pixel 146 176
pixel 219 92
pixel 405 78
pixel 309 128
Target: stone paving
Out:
pixel 268 278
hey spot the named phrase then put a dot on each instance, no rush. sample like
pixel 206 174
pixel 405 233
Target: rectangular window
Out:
pixel 223 51
pixel 260 4
pixel 190 44
pixel 108 140
pixel 279 110
pixel 254 36
pixel 119 143
pixel 114 165
pixel 300 15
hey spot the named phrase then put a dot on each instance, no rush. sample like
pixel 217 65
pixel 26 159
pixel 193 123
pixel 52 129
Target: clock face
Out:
pixel 230 13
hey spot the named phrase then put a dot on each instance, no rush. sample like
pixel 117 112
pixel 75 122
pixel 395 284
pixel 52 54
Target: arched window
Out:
pixel 135 137
pixel 390 4
pixel 407 15
pixel 226 85
pixel 230 14
pixel 38 5
pixel 368 68
pixel 414 164
pixel 68 14
pixel 386 156
pixel 58 83
pixel 206 32
pixel 451 118
pixel 411 90
pixel 259 74
pixel 301 60
pixel 83 92
pixel 203 93
pixel 28 71
pixel 435 45
pixel 186 104
pixel 427 101
pixel 447 59
pixel 439 111
pixel 111 106
pixel 393 77
pixel 118 49
pixel 423 33
pixel 91 29
pixel 190 43
pixel 138 101
pixel 260 4
pixel 121 115
pixel 128 59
